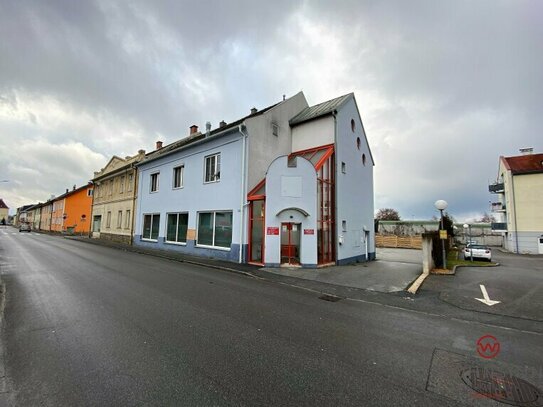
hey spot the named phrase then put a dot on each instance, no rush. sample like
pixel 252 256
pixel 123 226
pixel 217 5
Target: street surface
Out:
pixel 96 326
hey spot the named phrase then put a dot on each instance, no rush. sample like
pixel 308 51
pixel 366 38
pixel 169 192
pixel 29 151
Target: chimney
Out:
pixel 208 128
pixel 73 188
pixel 158 145
pixel 526 151
pixel 141 152
pixel 67 190
pixel 254 110
pixel 222 124
pixel 193 129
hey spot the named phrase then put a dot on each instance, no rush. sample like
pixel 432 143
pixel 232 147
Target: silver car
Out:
pixel 477 251
pixel 25 227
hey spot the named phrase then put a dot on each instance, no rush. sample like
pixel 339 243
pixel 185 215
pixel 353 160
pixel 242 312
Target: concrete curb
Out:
pixel 418 282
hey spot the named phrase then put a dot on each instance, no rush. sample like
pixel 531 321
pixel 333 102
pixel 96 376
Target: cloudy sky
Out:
pixel 444 87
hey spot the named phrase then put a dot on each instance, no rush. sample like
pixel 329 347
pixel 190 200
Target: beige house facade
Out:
pixel 519 202
pixel 115 191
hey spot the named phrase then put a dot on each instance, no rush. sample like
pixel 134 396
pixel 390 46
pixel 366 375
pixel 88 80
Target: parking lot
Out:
pixel 517 283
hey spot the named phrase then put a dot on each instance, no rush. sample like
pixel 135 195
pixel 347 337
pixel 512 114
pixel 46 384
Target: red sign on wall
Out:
pixel 309 231
pixel 272 230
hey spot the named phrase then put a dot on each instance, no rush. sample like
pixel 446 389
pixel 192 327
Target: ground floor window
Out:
pixel 215 229
pixel 151 224
pixel 176 227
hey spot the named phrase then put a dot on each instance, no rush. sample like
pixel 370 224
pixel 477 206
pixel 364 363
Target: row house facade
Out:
pixel 518 201
pixel 291 184
pixel 4 212
pixel 115 192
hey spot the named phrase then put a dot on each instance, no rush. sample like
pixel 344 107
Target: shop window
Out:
pixel 176 227
pixel 151 225
pixel 215 229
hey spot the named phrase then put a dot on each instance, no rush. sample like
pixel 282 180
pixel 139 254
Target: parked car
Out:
pixel 25 227
pixel 477 251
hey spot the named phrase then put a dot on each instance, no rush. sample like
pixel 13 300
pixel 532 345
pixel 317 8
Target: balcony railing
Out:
pixel 496 188
pixel 497 207
pixel 498 226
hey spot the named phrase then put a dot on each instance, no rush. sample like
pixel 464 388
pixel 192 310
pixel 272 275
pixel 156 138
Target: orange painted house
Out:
pixel 72 210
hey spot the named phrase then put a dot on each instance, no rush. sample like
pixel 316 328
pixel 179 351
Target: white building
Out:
pixel 287 185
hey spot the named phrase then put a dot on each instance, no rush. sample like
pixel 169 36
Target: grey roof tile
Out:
pixel 324 108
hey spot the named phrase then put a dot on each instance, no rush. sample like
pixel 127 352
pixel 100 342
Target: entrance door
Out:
pixel 256 232
pixel 290 243
pixel 96 224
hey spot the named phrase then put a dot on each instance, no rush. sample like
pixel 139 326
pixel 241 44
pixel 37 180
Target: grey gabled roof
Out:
pixel 192 139
pixel 322 109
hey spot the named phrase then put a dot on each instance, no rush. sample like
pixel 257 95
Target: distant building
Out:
pixel 518 206
pixel 114 199
pixel 4 212
pixel 71 211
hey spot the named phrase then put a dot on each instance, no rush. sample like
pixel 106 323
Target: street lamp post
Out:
pixel 441 205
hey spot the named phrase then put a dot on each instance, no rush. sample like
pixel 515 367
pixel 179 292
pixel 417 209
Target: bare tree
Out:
pixel 487 218
pixel 387 214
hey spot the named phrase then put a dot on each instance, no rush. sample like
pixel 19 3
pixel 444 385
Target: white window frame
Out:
pixel 181 181
pixel 157 174
pixel 212 246
pixel 90 192
pixel 216 177
pixel 148 239
pixel 176 229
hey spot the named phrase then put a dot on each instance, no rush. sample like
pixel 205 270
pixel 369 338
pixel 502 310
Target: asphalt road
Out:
pixel 517 283
pixel 89 325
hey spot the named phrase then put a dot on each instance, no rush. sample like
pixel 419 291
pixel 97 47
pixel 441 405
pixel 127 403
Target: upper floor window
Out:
pixel 130 181
pixel 111 187
pixel 121 185
pixel 89 192
pixel 275 129
pixel 212 168
pixel 178 176
pixel 154 182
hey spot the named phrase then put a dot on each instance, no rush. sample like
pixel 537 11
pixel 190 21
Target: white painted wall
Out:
pixel 354 188
pixel 315 133
pixel 280 196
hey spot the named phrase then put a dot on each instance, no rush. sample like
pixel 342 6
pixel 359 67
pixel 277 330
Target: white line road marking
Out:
pixel 486 299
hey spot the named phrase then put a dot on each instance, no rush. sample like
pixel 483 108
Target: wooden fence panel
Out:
pixel 403 242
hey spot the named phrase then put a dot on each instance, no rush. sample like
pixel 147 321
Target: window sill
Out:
pixel 174 188
pixel 175 243
pixel 149 240
pixel 202 246
pixel 211 182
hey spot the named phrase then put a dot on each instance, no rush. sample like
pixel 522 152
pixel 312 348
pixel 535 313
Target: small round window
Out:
pixel 358 143
pixel 353 125
pixel 363 158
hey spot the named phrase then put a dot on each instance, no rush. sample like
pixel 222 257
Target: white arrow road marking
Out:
pixel 486 299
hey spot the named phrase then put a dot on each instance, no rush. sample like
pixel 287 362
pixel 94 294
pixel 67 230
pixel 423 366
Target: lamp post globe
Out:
pixel 441 205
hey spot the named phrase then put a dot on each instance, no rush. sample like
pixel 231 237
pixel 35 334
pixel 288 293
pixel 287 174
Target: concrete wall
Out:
pixel 315 133
pixel 194 196
pixel 291 187
pixel 263 146
pixel 527 242
pixel 354 188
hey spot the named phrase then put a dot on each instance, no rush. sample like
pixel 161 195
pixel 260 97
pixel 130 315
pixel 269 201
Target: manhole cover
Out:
pixel 329 297
pixel 502 387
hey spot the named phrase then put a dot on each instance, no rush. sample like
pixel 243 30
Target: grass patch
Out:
pixel 453 259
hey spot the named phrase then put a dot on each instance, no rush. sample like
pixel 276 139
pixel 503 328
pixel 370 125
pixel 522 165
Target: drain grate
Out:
pixel 502 387
pixel 330 297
